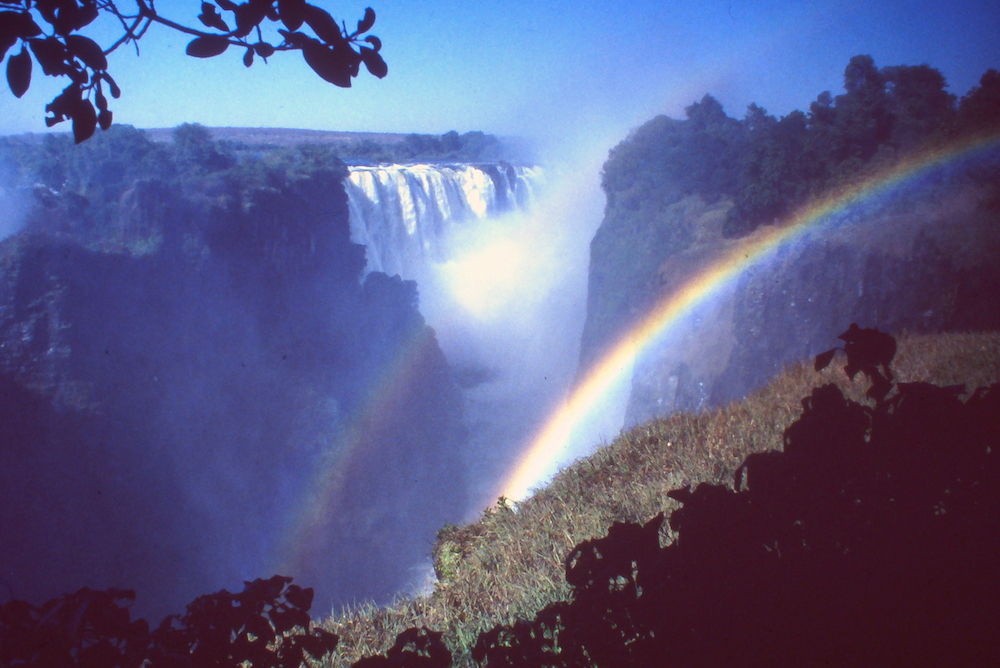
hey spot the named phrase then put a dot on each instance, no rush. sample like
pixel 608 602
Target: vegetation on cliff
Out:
pixel 759 170
pixel 768 166
pixel 450 147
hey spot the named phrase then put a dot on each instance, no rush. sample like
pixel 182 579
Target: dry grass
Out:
pixel 509 563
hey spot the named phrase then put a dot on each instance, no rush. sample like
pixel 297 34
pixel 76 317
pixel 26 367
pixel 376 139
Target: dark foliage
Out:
pixel 331 50
pixel 256 625
pixel 870 540
pixel 267 625
pixel 451 146
pixel 414 648
pixel 979 110
pixel 658 164
pixel 770 166
pixel 88 628
pixel 868 351
pixel 883 113
pixel 667 159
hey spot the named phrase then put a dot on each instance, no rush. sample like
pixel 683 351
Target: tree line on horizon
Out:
pixel 85 182
pixel 451 146
pixel 769 166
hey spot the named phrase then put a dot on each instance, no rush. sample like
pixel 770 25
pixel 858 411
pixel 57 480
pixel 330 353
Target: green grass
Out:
pixel 509 563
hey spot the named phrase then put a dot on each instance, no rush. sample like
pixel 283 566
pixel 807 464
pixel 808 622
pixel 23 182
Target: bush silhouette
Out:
pixel 414 648
pixel 92 629
pixel 870 540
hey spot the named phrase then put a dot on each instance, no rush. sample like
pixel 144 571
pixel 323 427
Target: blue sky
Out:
pixel 564 70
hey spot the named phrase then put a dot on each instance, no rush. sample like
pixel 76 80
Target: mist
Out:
pixel 510 301
pixel 14 202
pixel 505 294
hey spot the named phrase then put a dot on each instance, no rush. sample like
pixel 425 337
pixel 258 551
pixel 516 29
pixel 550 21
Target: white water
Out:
pixel 502 275
pixel 403 214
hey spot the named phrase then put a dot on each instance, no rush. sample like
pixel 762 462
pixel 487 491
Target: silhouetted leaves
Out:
pixel 216 629
pixel 211 18
pixel 319 643
pixel 374 62
pixel 330 63
pixel 365 24
pixel 414 648
pixel 299 597
pixel 115 90
pixel 19 72
pixel 91 628
pixel 207 46
pixel 867 350
pixel 292 13
pixel 15 26
pixel 249 15
pixel 87 628
pixel 334 56
pixel 323 24
pixel 261 628
pixel 823 359
pixel 263 49
pixel 51 55
pixel 603 564
pixel 88 51
pixel 84 120
pixel 66 16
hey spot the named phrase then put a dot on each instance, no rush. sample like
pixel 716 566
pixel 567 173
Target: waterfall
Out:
pixel 402 213
pixel 500 255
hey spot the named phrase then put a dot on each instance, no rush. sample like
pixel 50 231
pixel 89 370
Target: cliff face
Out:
pixel 925 260
pixel 930 271
pixel 916 252
pixel 203 391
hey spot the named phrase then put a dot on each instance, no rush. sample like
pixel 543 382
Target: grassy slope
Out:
pixel 509 563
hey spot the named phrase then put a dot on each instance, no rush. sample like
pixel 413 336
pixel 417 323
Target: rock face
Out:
pixel 914 278
pixel 913 246
pixel 921 261
pixel 203 391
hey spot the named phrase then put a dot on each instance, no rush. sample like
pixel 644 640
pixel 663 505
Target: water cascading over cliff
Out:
pixel 499 254
pixel 403 214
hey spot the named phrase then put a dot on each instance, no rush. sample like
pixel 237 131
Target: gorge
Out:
pixel 220 362
pixel 202 384
pixel 217 367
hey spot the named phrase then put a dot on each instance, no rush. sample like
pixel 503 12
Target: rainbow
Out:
pixel 305 539
pixel 552 440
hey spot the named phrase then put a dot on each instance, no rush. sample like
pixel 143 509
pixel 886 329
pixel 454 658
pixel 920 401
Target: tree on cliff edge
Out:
pixel 334 53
